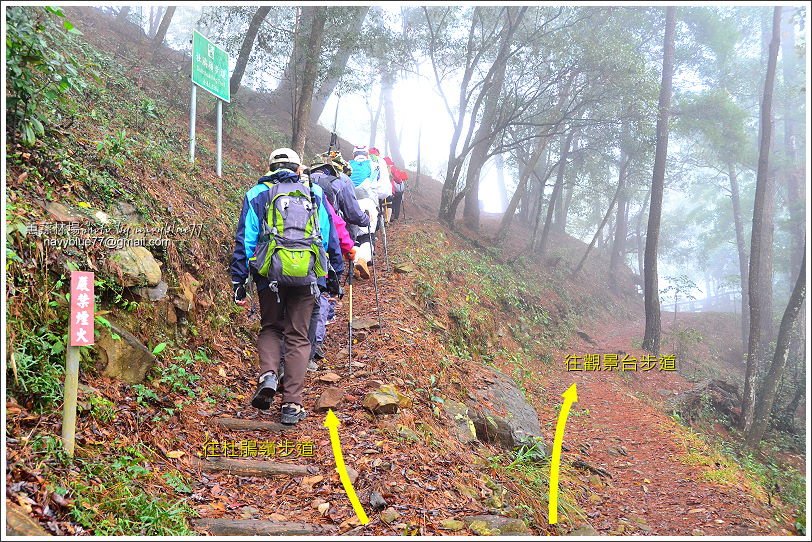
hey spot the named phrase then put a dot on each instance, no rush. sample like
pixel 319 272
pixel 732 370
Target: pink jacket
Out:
pixel 344 238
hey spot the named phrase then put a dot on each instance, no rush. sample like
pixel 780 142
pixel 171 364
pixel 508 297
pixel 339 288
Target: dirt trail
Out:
pixel 653 489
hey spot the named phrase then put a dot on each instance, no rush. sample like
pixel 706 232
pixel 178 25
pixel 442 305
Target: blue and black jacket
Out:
pixel 254 210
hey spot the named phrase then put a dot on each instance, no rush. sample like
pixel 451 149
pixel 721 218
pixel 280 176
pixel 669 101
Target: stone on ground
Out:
pixel 464 428
pixel 512 421
pixel 495 525
pixel 136 266
pixel 125 358
pixel 330 398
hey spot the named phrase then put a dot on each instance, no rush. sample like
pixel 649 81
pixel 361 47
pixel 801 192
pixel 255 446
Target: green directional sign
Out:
pixel 210 67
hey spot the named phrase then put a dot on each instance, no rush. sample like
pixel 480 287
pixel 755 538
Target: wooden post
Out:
pixel 71 393
pixel 80 333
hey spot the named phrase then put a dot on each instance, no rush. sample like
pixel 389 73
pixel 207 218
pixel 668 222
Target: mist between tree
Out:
pixel 552 119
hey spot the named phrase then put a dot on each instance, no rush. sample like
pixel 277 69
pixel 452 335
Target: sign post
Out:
pixel 80 327
pixel 209 72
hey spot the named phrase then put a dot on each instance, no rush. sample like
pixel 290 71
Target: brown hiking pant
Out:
pixel 286 322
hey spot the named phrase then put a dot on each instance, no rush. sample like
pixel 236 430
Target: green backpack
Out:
pixel 290 251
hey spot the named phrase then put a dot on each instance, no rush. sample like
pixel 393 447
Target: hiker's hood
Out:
pixel 279 176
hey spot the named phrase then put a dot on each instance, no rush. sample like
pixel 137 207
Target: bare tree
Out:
pixel 160 35
pixel 651 340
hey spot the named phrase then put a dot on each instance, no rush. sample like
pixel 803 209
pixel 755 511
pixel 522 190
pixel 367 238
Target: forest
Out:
pixel 589 194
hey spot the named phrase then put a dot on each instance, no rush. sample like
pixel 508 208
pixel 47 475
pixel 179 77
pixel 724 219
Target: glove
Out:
pixel 239 292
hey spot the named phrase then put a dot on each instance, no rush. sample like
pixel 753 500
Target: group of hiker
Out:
pixel 298 225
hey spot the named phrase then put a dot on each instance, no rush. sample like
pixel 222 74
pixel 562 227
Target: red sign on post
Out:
pixel 81 308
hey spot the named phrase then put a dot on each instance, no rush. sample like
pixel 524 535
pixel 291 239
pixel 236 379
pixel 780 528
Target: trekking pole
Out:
pixel 349 326
pixel 383 226
pixel 374 275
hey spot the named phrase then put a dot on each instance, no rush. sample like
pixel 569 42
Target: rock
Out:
pixel 330 377
pixel 125 358
pixel 329 399
pixel 62 213
pixel 403 401
pixel 721 396
pixel 323 508
pixel 519 425
pixel 379 402
pixel 390 515
pixel 584 530
pixel 403 268
pixel 126 213
pixel 19 523
pixel 487 524
pixel 101 217
pixel 136 266
pixel 464 428
pixel 698 532
pixel 316 503
pixel 352 474
pixel 184 295
pixel 156 293
pixel 451 525
pixel 364 324
pixel 408 434
pixel 376 501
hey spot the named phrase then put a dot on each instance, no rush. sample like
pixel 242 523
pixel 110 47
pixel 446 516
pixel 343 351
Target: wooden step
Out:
pixel 254 527
pixel 239 424
pixel 254 467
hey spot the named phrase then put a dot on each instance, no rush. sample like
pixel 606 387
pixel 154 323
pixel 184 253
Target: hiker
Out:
pixel 341 246
pixel 399 178
pixel 329 173
pixel 278 244
pixel 383 186
pixel 364 178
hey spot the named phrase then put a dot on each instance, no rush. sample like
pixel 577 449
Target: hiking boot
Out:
pixel 292 414
pixel 312 365
pixel 319 353
pixel 361 267
pixel 265 392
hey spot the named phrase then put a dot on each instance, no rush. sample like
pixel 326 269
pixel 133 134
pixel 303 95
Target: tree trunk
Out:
pixel 618 256
pixel 387 82
pixel 640 244
pixel 309 74
pixel 556 195
pixel 538 194
pixel 155 15
pixel 742 250
pixel 484 134
pixel 419 136
pixel 603 222
pixel 339 63
pixel 246 48
pixel 373 130
pixel 792 174
pixel 160 35
pixel 500 180
pixel 767 396
pixel 123 13
pixel 651 340
pixel 757 319
pixel 521 187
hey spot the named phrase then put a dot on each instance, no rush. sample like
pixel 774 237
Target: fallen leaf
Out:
pixel 323 508
pixel 222 372
pixel 175 454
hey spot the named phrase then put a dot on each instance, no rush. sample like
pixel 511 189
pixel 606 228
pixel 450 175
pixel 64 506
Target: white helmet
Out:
pixel 284 156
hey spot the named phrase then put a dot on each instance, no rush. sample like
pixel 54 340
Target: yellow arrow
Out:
pixel 331 422
pixel 570 396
